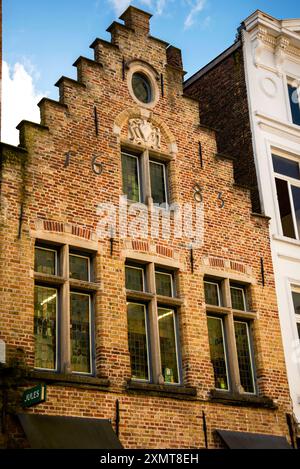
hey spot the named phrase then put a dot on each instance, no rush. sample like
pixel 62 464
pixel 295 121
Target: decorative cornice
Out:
pixel 282 41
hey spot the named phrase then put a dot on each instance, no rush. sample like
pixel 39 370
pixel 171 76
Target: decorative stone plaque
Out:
pixel 142 132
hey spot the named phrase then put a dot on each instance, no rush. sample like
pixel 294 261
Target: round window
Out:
pixel 141 88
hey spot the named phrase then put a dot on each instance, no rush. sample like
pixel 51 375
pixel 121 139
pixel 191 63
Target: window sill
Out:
pixel 242 400
pixel 238 313
pixel 169 301
pixel 285 239
pixel 84 285
pixel 139 296
pixel 163 390
pixel 51 279
pixel 61 379
pixel 148 204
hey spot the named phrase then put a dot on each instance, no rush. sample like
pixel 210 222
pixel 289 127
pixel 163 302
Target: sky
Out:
pixel 42 39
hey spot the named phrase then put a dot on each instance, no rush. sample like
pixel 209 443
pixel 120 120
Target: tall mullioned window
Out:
pixel 45 327
pixel 229 328
pixel 287 178
pixel 218 352
pixel 56 290
pixel 153 336
pixel 138 341
pixel 144 177
pixel 131 177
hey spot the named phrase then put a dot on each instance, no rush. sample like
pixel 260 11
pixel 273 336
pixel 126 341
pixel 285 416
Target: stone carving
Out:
pixel 141 131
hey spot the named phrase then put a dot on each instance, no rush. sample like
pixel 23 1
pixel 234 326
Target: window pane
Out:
pixel 296 300
pixel 238 298
pixel 244 356
pixel 158 183
pixel 141 87
pixel 45 307
pixel 296 200
pixel 295 105
pixel 137 341
pixel 130 177
pixel 134 278
pixel 168 350
pixel 217 352
pixel 285 208
pixel 286 167
pixel 45 261
pixel 164 284
pixel 79 267
pixel 212 293
pixel 80 333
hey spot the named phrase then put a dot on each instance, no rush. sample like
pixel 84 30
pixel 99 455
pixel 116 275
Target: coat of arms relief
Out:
pixel 141 131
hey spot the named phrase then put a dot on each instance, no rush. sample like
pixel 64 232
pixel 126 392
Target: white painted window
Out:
pixel 294 100
pixel 287 180
pixel 296 303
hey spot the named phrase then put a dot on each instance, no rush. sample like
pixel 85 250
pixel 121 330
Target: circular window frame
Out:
pixel 143 79
pixel 149 75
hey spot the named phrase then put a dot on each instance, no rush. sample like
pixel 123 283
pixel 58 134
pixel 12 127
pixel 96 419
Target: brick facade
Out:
pixel 224 106
pixel 50 192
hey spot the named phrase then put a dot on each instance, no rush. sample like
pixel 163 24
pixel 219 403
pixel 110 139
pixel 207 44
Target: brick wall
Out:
pixel 222 95
pixel 40 194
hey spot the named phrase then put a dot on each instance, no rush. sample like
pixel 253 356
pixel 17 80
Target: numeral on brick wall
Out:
pixel 221 200
pixel 198 193
pixel 97 166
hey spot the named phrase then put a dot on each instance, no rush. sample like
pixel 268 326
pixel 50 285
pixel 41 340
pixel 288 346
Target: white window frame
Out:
pixel 89 265
pixel 250 355
pixel 295 82
pixel 296 289
pixel 225 352
pixel 138 175
pixel 41 248
pixel 170 310
pixel 56 328
pixel 218 291
pixel 90 334
pixel 172 280
pixel 139 380
pixel 165 178
pixel 137 268
pixel 244 297
pixel 290 182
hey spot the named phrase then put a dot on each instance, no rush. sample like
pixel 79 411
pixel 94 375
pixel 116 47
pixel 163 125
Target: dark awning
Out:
pixel 47 432
pixel 241 440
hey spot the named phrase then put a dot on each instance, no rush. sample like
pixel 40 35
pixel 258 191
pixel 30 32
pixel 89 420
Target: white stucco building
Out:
pixel 251 95
pixel 271 51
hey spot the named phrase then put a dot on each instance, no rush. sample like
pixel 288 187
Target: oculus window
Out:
pixel 142 88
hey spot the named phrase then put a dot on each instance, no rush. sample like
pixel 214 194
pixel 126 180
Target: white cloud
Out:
pixel 206 23
pixel 157 6
pixel 146 2
pixel 160 6
pixel 19 100
pixel 196 7
pixel 120 5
